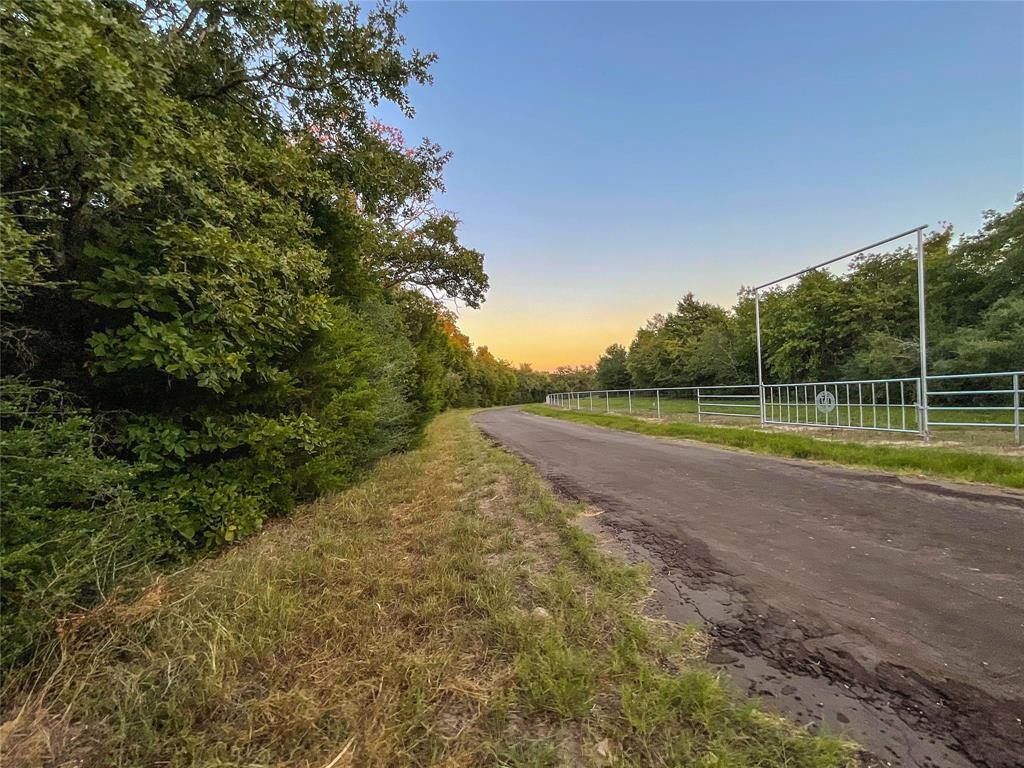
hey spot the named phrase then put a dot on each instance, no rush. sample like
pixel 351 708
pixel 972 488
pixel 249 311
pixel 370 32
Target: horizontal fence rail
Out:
pixel 989 400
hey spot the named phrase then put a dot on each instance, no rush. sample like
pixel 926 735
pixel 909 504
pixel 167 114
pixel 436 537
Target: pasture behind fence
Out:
pixel 989 400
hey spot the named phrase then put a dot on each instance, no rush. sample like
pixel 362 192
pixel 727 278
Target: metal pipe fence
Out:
pixel 989 400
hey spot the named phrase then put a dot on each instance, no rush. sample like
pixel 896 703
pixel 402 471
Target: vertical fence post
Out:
pixel 922 394
pixel 607 403
pixel 591 401
pixel 760 375
pixel 629 397
pixel 698 405
pixel 1016 408
pixel 657 398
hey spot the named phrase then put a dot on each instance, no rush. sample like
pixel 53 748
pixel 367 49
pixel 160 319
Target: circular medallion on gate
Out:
pixel 825 402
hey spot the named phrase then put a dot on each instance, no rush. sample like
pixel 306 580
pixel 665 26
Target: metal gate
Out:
pixel 890 405
pixel 990 400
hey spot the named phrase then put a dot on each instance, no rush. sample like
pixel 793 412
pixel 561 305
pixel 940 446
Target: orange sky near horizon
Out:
pixel 543 338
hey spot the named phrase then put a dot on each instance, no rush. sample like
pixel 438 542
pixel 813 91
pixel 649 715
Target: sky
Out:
pixel 611 157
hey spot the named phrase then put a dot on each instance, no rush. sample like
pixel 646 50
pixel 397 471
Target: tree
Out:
pixel 996 343
pixel 573 378
pixel 649 360
pixel 611 371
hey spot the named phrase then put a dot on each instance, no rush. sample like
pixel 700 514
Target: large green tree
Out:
pixel 611 371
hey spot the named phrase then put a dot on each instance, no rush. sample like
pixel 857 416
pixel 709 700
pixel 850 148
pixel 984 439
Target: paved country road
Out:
pixel 890 608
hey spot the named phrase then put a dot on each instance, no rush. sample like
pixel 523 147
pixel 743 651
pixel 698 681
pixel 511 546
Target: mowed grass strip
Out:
pixel 444 612
pixel 971 466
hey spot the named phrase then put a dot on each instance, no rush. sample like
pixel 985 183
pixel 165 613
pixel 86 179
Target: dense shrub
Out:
pixel 71 521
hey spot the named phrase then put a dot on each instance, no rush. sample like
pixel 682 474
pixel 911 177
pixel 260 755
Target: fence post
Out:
pixel 698 405
pixel 607 404
pixel 629 396
pixel 591 401
pixel 657 397
pixel 1016 408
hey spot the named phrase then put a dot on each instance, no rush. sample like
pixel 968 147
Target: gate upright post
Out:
pixel 629 397
pixel 698 405
pixel 760 375
pixel 657 397
pixel 922 394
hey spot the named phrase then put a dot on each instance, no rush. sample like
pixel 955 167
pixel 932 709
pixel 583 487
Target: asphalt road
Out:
pixel 907 588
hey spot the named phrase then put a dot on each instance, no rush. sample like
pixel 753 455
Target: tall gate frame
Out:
pixel 922 380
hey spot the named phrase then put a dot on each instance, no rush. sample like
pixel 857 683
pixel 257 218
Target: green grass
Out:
pixel 447 611
pixel 928 460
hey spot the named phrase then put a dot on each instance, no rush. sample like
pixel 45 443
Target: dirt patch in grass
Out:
pixel 444 612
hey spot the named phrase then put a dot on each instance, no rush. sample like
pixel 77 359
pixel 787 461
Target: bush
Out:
pixel 72 525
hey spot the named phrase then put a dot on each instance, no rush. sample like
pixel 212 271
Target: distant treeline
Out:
pixel 219 281
pixel 859 324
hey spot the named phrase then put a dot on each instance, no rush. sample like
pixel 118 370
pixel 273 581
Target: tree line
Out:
pixel 224 282
pixel 860 324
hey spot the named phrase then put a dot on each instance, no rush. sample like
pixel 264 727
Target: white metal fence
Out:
pixel 990 400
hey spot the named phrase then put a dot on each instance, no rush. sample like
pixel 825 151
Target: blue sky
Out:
pixel 610 157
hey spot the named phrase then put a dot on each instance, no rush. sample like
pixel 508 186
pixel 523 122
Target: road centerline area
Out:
pixel 909 590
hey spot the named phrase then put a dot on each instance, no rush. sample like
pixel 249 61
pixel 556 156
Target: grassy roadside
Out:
pixel 444 612
pixel 939 462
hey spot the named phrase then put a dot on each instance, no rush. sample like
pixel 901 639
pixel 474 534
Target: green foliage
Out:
pixel 212 250
pixel 573 378
pixel 71 521
pixel 611 371
pixel 996 343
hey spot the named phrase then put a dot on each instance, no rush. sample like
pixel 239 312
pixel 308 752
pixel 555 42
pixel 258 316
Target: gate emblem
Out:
pixel 825 402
